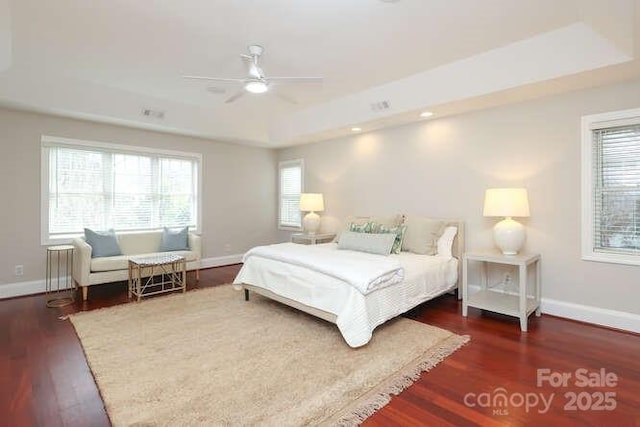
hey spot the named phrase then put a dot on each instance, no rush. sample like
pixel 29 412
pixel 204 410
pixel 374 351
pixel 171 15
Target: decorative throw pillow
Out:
pixel 175 240
pixel 346 224
pixel 422 235
pixel 374 243
pixel 388 221
pixel 367 227
pixel 103 243
pixel 399 231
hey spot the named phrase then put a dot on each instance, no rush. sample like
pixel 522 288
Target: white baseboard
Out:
pixel 587 313
pixel 584 313
pixel 221 260
pixel 19 289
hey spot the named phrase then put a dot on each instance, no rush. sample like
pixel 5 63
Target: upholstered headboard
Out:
pixel 459 242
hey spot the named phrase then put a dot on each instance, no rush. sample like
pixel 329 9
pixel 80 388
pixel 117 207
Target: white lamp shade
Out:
pixel 311 202
pixel 506 202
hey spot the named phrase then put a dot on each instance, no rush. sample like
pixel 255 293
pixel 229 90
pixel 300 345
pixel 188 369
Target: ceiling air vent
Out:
pixel 156 114
pixel 377 107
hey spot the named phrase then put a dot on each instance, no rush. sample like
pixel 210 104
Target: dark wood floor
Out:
pixel 45 380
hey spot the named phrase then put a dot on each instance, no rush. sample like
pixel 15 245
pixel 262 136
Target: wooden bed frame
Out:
pixel 457 251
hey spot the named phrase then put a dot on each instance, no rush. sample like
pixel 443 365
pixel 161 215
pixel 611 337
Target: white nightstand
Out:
pixel 312 239
pixel 520 305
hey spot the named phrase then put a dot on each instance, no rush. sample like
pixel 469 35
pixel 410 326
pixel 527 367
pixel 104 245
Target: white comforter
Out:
pixel 357 314
pixel 365 272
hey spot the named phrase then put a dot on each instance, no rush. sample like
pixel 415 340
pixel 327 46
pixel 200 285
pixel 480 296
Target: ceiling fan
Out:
pixel 256 81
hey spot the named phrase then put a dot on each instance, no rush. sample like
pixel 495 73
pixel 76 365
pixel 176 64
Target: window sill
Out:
pixel 285 228
pixel 612 258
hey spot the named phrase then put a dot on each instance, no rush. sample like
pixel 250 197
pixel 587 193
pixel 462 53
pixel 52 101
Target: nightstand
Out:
pixel 520 304
pixel 312 239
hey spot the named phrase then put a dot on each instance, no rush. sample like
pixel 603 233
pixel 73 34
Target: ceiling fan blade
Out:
pixel 296 79
pixel 286 98
pixel 234 97
pixel 216 90
pixel 214 79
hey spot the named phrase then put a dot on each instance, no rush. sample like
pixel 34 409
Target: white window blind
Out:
pixel 291 183
pixel 102 186
pixel 611 187
pixel 616 172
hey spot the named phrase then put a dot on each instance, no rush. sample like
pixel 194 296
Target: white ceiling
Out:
pixel 107 60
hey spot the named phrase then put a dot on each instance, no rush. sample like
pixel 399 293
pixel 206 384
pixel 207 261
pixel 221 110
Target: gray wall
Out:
pixel 441 168
pixel 239 187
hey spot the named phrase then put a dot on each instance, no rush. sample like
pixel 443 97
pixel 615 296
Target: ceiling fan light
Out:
pixel 256 87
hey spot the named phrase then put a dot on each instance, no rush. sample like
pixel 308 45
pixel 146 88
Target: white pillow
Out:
pixel 373 243
pixel 445 242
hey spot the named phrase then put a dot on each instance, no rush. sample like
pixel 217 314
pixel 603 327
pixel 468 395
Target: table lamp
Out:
pixel 312 203
pixel 508 234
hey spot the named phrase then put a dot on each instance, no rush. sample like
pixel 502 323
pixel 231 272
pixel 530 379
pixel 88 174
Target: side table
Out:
pixel 519 305
pixel 60 266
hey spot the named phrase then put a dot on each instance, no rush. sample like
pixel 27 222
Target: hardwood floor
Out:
pixel 45 379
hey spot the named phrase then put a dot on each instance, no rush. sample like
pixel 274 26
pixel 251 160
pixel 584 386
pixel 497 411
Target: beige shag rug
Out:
pixel 208 357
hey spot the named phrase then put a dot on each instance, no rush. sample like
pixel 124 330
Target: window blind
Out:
pixel 127 191
pixel 616 192
pixel 290 189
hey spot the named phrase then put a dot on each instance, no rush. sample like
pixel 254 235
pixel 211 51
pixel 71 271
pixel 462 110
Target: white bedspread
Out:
pixel 365 272
pixel 357 314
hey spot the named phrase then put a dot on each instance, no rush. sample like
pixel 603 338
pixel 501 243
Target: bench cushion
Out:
pixel 121 262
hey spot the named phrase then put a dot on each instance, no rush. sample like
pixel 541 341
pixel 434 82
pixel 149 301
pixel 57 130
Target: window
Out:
pixel 291 183
pixel 102 186
pixel 611 187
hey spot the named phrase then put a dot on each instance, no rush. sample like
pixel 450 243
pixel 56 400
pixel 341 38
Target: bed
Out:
pixel 289 273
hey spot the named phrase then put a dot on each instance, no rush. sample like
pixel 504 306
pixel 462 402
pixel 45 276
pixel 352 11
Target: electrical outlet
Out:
pixel 227 248
pixel 18 270
pixel 507 278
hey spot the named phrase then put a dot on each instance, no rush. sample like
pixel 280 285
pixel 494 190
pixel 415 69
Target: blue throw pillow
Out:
pixel 103 243
pixel 177 240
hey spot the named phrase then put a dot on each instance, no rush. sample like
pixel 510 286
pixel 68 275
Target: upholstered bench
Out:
pixel 88 270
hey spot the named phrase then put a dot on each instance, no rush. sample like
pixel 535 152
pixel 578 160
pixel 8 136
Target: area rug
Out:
pixel 207 357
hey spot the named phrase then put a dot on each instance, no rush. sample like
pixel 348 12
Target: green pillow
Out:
pixel 399 231
pixel 374 243
pixel 367 227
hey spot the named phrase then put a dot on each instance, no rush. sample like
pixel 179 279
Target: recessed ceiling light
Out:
pixel 356 129
pixel 426 114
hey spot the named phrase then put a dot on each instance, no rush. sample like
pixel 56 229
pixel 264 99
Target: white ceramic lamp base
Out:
pixel 509 236
pixel 311 223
